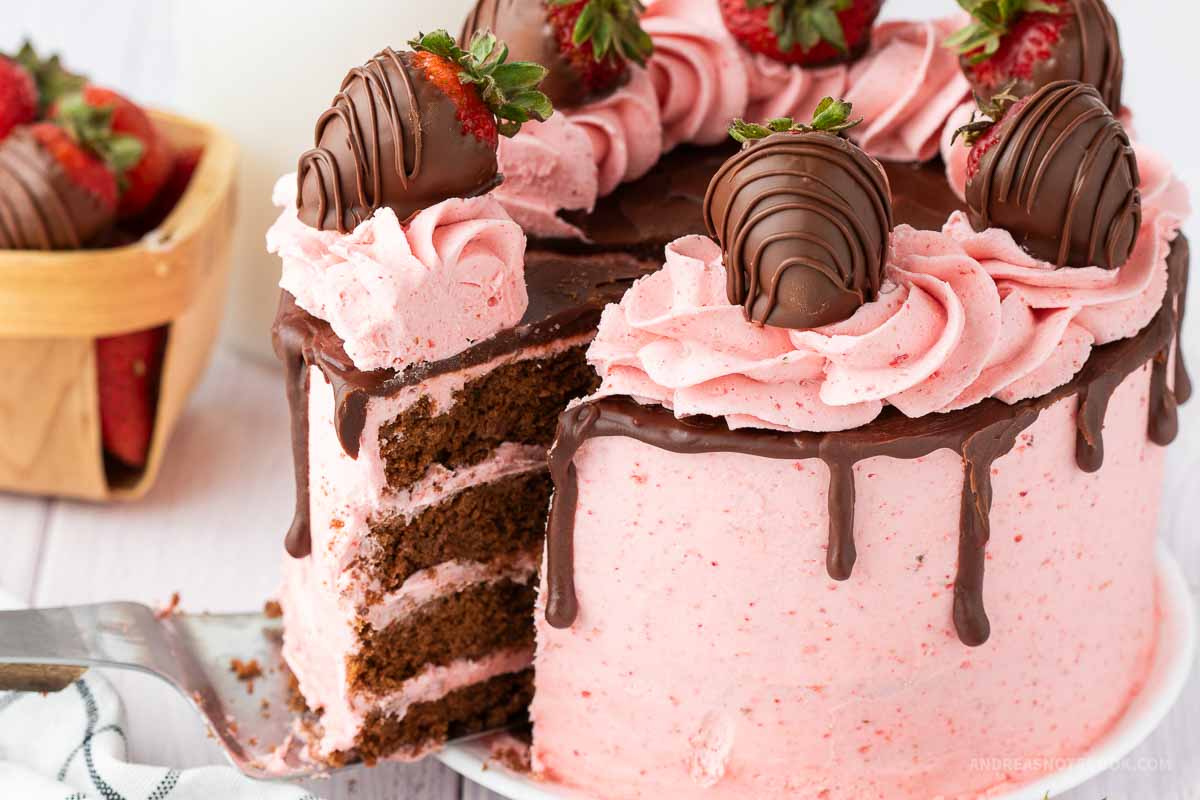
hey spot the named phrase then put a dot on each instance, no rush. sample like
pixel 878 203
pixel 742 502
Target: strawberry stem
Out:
pixel 52 79
pixel 91 127
pixel 508 89
pixel 830 116
pixel 990 22
pixel 612 26
pixel 990 112
pixel 805 23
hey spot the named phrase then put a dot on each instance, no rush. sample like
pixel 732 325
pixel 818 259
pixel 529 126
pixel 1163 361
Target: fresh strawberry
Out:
pixel 85 169
pixel 805 32
pixel 93 126
pixel 18 96
pixel 599 38
pixel 491 96
pixel 982 134
pixel 1029 43
pixel 128 368
pixel 145 178
pixel 51 80
pixel 183 166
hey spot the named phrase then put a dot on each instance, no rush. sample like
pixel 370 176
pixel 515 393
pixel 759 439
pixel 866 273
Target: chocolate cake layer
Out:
pixel 513 403
pixel 566 296
pixel 468 625
pixel 492 521
pixel 495 703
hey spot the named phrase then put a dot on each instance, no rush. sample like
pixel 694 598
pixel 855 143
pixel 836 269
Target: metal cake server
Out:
pixel 45 650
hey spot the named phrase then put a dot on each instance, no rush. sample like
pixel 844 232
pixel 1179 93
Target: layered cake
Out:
pixel 862 511
pixel 838 489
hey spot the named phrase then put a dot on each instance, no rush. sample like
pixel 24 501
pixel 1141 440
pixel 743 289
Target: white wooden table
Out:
pixel 212 530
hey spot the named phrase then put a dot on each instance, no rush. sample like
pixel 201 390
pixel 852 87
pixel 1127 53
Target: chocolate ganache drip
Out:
pixel 803 217
pixel 389 140
pixel 40 207
pixel 980 434
pixel 1058 172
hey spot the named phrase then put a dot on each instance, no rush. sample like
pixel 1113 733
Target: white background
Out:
pixel 212 527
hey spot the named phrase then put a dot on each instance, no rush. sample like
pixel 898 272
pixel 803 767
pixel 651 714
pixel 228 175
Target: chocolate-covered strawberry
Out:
pixel 803 217
pixel 587 45
pixel 1027 44
pixel 59 183
pixel 806 32
pixel 411 129
pixel 1058 172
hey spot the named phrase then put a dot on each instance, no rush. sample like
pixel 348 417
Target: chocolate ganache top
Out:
pixel 389 140
pixel 40 207
pixel 1060 174
pixel 804 217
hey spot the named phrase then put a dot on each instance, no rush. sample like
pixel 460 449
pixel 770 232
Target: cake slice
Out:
pixel 426 360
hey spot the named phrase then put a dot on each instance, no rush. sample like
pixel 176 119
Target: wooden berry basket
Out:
pixel 54 305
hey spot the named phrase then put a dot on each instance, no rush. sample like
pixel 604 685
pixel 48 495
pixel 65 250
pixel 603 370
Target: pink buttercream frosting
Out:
pixel 904 87
pixel 624 130
pixel 399 294
pixel 548 167
pixel 962 316
pixel 697 69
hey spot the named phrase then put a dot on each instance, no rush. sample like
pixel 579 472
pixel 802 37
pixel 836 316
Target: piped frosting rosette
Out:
pixel 962 316
pixel 398 294
pixel 905 87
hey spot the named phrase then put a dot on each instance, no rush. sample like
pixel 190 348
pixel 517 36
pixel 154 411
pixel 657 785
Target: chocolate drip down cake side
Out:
pixel 754 422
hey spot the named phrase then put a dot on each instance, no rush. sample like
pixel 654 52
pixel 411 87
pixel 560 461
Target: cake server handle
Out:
pixel 47 649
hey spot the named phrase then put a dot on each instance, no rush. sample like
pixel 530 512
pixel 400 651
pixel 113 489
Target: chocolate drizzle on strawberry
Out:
pixel 1032 43
pixel 377 143
pixel 393 138
pixel 40 207
pixel 803 217
pixel 1060 174
pixel 981 435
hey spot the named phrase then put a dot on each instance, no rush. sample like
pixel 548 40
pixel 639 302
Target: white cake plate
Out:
pixel 1168 675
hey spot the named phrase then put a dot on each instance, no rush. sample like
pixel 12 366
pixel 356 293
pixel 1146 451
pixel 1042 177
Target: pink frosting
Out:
pixel 697 69
pixel 962 316
pixel 624 130
pixel 398 294
pixel 548 167
pixel 905 87
pixel 783 90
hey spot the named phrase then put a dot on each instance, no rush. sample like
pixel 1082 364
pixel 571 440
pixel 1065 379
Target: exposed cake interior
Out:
pixel 411 620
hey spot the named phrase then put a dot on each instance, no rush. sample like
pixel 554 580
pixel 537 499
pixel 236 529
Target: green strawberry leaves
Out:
pixel 830 116
pixel 91 127
pixel 52 79
pixel 990 22
pixel 805 23
pixel 509 89
pixel 612 27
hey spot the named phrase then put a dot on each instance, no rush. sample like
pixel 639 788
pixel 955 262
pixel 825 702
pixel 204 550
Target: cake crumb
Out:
pixel 169 609
pixel 272 609
pixel 246 671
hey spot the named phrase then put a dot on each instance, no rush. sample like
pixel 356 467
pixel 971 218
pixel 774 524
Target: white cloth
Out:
pixel 71 746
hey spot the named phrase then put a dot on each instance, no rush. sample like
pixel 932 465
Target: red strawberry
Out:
pixel 1026 44
pixel 146 177
pixel 182 168
pixel 491 95
pixel 85 169
pixel 18 96
pixel 128 368
pixel 50 79
pixel 599 38
pixel 983 134
pixel 805 32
